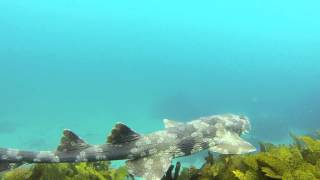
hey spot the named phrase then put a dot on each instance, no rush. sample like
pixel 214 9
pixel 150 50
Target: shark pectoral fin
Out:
pixel 121 134
pixel 231 143
pixel 71 142
pixel 170 123
pixel 151 167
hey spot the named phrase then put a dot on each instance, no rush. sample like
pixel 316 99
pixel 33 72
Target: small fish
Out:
pixel 148 156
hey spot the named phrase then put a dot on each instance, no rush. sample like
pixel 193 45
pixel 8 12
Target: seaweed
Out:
pixel 68 171
pixel 297 161
pixel 170 175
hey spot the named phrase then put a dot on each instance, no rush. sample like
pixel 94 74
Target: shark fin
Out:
pixel 170 123
pixel 231 143
pixel 4 166
pixel 151 167
pixel 121 134
pixel 71 142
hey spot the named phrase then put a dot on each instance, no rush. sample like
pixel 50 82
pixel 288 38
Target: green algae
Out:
pixel 68 171
pixel 297 161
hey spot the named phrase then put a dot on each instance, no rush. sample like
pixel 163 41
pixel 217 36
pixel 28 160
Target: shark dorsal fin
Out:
pixel 122 134
pixel 71 142
pixel 170 123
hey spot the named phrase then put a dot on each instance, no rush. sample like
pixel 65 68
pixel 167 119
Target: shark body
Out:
pixel 150 155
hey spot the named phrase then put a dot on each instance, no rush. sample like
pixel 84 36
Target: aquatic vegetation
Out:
pixel 172 175
pixel 300 160
pixel 68 171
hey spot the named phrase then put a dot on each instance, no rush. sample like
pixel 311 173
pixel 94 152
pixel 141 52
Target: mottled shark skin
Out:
pixel 148 156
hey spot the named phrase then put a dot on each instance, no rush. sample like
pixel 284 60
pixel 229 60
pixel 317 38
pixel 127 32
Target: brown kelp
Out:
pixel 75 171
pixel 300 160
pixel 297 161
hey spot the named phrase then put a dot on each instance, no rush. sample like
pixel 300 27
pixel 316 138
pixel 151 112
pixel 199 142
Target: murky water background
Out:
pixel 84 65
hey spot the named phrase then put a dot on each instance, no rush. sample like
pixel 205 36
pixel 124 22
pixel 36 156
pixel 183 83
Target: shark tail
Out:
pixel 4 165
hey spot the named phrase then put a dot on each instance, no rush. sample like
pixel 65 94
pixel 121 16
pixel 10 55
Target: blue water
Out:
pixel 85 65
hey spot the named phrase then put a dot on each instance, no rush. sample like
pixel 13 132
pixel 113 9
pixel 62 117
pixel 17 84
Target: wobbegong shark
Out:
pixel 150 155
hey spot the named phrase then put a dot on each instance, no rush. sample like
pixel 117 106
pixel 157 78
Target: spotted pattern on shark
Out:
pixel 218 133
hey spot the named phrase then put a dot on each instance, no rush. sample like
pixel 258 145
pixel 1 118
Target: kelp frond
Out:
pixel 298 161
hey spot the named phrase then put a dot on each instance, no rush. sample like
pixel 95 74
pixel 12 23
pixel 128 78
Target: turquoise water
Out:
pixel 85 65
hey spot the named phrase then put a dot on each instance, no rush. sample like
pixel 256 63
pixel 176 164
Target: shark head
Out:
pixel 227 130
pixel 239 124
